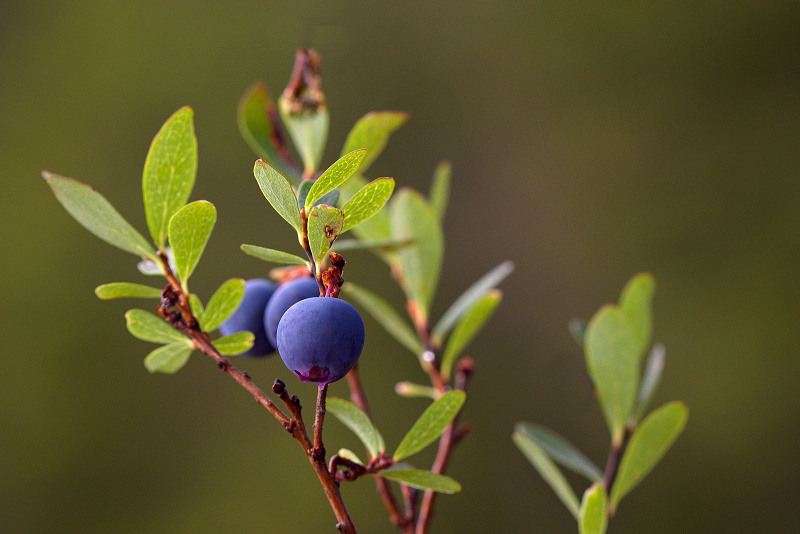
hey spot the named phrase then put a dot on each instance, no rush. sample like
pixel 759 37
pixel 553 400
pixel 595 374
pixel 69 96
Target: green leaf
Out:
pixel 334 176
pixel 189 230
pixel 347 454
pixel 431 424
pixel 278 192
pixel 150 327
pixel 257 117
pixel 309 132
pixel 468 327
pixel 97 215
pixel 468 298
pixel 647 446
pixel 330 198
pixel 223 303
pixel 650 379
pixel 234 344
pixel 356 420
pixel 385 245
pixel 169 358
pixel 421 479
pixel 372 132
pixel 593 518
pixel 169 172
pixel 612 357
pixel 548 470
pixel 420 264
pixel 386 316
pixel 440 188
pixel 636 301
pixel 324 226
pixel 196 306
pixel 411 390
pixel 560 450
pixel 118 290
pixel 274 256
pixel 367 202
pixel 376 228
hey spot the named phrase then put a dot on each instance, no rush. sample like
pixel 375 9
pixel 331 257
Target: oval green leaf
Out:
pixel 169 172
pixel 560 450
pixel 347 454
pixel 372 131
pixel 650 379
pixel 421 479
pixel 234 344
pixel 468 298
pixel 258 123
pixel 278 192
pixel 593 518
pixel 612 357
pixel 150 327
pixel 467 328
pixel 386 316
pixel 97 215
pixel 367 202
pixel 325 223
pixel 636 301
pixel 356 420
pixel 647 446
pixel 548 470
pixel 440 188
pixel 169 358
pixel 431 424
pixel 118 290
pixel 189 230
pixel 334 176
pixel 412 217
pixel 274 256
pixel 309 132
pixel 223 303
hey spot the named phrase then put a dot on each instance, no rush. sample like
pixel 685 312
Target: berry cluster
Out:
pixel 318 338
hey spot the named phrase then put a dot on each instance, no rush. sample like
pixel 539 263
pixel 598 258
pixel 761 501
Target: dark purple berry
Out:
pixel 320 339
pixel 249 316
pixel 284 298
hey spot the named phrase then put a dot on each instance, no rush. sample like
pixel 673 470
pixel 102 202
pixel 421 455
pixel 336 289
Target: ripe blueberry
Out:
pixel 320 339
pixel 249 316
pixel 285 296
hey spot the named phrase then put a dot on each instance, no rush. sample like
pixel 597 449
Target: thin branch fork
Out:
pixel 187 323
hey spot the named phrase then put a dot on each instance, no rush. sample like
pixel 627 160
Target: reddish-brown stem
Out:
pixel 450 437
pixel 614 457
pixel 319 419
pixel 188 324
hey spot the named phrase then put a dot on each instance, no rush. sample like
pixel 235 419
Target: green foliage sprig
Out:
pixel 615 342
pixel 320 207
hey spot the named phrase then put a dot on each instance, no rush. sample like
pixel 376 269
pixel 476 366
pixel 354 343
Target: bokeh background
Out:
pixel 589 142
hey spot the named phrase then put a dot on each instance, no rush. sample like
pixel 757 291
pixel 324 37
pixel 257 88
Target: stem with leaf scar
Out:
pixel 184 321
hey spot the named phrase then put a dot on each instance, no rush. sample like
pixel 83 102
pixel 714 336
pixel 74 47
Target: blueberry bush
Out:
pixel 320 337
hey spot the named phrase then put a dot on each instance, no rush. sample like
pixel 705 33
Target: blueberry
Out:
pixel 249 316
pixel 285 296
pixel 320 339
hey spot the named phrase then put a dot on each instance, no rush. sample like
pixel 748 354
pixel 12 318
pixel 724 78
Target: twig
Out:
pixel 614 457
pixel 187 323
pixel 450 437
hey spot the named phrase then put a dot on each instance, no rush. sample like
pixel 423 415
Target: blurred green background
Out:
pixel 589 142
